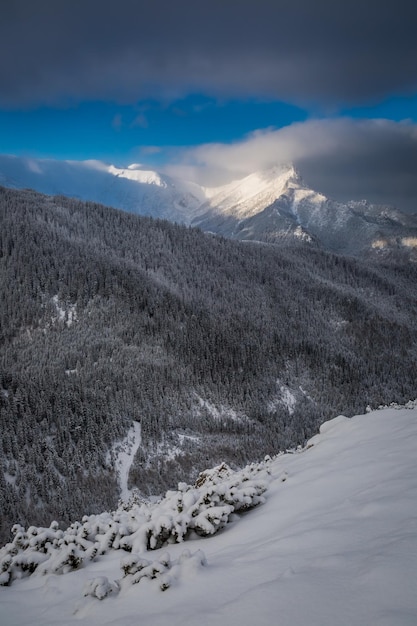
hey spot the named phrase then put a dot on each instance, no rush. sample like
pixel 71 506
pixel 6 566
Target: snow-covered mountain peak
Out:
pixel 277 176
pixel 283 172
pixel 248 196
pixel 276 205
pixel 147 177
pixel 133 188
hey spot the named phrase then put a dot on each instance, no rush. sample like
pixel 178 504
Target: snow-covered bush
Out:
pixel 66 559
pixel 162 570
pixel 100 587
pixel 203 509
pixel 136 568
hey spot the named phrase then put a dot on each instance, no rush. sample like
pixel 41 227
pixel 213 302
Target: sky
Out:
pixel 215 90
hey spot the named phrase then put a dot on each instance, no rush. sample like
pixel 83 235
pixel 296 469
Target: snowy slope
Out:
pixel 121 457
pixel 248 196
pixel 334 543
pixel 132 189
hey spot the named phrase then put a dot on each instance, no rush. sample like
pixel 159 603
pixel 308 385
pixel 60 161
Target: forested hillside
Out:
pixel 224 351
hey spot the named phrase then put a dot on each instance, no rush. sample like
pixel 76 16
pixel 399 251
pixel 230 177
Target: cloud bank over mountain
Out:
pixel 344 158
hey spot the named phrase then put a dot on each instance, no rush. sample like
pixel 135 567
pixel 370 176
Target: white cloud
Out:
pixel 262 149
pixel 344 158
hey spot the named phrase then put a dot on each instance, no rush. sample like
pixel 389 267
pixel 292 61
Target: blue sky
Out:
pixel 212 90
pixel 151 130
pixel 113 132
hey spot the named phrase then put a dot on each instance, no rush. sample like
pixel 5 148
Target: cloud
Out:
pixel 343 158
pixel 320 53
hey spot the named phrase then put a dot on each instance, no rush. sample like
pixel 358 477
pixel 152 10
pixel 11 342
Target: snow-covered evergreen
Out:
pixel 201 510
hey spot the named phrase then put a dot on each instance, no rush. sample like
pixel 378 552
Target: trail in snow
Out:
pixel 125 453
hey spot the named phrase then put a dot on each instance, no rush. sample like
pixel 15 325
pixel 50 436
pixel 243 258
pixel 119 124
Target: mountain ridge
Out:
pixel 273 206
pixel 286 209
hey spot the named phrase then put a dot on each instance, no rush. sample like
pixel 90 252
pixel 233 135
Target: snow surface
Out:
pixel 123 454
pixel 132 189
pixel 250 195
pixel 334 544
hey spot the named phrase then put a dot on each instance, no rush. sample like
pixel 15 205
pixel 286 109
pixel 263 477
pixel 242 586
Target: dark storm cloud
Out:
pixel 375 160
pixel 343 158
pixel 323 51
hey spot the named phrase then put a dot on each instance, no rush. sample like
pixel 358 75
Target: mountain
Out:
pixel 221 350
pixel 276 206
pixel 273 206
pixel 333 543
pixel 131 189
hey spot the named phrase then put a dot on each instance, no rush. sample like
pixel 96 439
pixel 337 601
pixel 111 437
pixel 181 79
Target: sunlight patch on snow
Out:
pixel 379 244
pixel 409 242
pixel 246 197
